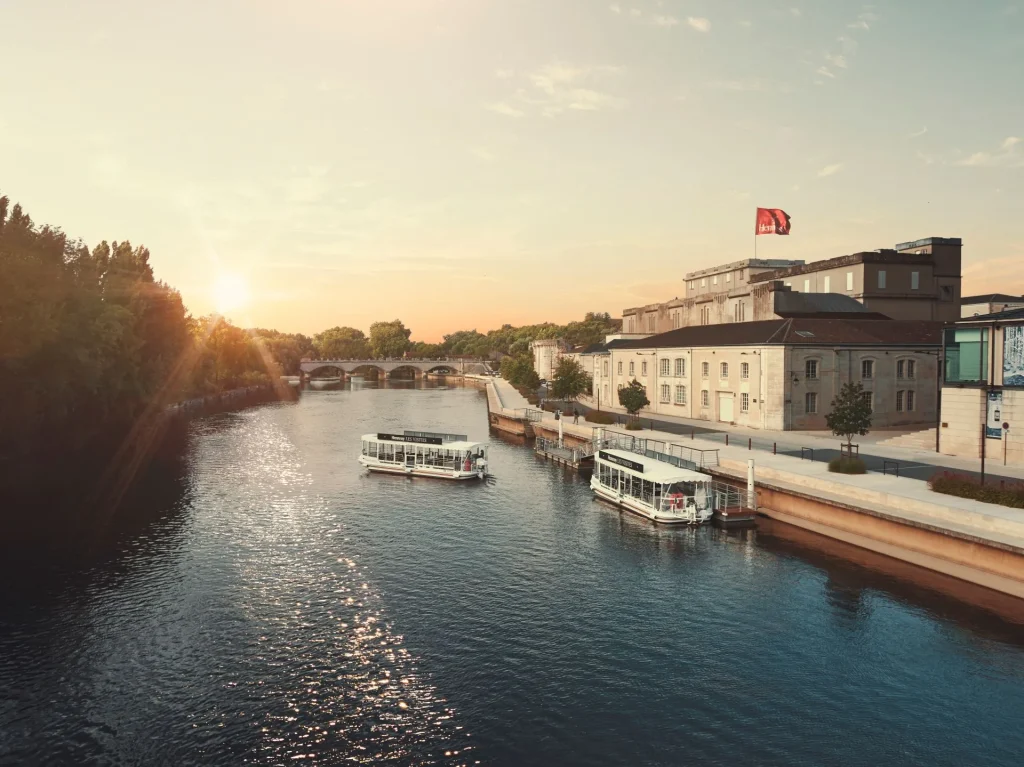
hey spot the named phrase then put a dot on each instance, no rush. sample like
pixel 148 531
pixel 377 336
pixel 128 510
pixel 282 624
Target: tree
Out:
pixel 851 413
pixel 341 343
pixel 633 397
pixel 389 339
pixel 569 380
pixel 519 371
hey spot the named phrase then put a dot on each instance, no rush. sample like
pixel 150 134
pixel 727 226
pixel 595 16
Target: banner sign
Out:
pixel 620 461
pixel 1013 355
pixel 408 438
pixel 994 424
pixel 772 221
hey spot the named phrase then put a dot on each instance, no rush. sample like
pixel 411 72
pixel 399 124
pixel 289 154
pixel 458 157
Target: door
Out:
pixel 725 402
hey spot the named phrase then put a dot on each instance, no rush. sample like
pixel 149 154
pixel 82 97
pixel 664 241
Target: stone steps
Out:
pixel 919 440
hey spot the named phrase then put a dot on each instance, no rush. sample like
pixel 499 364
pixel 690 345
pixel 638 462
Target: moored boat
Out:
pixel 653 489
pixel 425 454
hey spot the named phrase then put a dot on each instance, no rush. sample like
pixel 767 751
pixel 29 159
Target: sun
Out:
pixel 230 292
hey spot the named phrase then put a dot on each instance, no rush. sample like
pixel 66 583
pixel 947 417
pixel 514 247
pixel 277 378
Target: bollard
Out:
pixel 727 439
pixel 693 434
pixel 774 446
pixel 750 443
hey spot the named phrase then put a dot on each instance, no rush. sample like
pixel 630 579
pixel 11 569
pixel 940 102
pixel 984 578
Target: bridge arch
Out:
pixel 369 371
pixel 326 371
pixel 407 372
pixel 443 370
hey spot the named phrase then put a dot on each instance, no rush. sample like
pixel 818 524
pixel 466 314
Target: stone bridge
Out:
pixel 386 368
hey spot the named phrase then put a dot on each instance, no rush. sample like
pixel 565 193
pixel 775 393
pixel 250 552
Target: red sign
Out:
pixel 772 221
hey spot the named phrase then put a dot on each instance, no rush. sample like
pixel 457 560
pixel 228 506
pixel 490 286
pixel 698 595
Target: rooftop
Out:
pixel 884 256
pixel 929 241
pixel 799 331
pixel 789 303
pixel 655 470
pixel 757 263
pixel 991 298
pixel 1009 314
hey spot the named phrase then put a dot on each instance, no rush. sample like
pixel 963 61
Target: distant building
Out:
pixel 983 388
pixel 917 280
pixel 546 353
pixel 778 374
pixel 976 306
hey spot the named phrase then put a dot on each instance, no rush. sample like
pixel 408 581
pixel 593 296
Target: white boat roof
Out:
pixel 403 440
pixel 655 470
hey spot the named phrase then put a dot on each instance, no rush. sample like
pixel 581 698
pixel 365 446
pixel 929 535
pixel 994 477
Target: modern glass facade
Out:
pixel 966 353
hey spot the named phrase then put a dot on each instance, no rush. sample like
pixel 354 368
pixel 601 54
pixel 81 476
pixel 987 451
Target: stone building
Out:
pixel 983 388
pixel 917 280
pixel 778 374
pixel 546 353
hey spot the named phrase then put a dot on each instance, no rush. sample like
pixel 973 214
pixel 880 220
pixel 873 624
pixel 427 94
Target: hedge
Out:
pixel 966 486
pixel 846 465
pixel 599 416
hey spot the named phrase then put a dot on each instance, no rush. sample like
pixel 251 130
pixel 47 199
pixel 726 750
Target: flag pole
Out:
pixel 755 234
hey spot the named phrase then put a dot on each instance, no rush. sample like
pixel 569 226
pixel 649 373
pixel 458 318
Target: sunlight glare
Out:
pixel 230 292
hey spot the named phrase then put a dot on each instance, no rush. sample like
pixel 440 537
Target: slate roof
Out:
pixel 798 331
pixel 1009 314
pixel 992 298
pixel 828 305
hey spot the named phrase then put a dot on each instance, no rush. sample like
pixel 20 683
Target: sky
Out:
pixel 463 164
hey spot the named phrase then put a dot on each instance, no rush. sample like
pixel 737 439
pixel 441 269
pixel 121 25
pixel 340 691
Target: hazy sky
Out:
pixel 464 163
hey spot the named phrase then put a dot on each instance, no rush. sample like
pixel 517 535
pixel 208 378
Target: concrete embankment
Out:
pixel 899 517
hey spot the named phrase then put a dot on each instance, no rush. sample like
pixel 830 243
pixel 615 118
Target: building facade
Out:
pixel 982 407
pixel 546 353
pixel 992 303
pixel 778 374
pixel 917 280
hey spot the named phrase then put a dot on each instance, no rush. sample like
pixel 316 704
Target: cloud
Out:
pixel 501 108
pixel 665 21
pixel 860 24
pixel 504 74
pixel 635 13
pixel 559 87
pixel 746 23
pixel 615 8
pixel 830 170
pixel 918 134
pixel 927 159
pixel 700 24
pixel 1006 157
pixel 750 85
pixel 795 12
pixel 824 71
pixel 482 154
pixel 836 59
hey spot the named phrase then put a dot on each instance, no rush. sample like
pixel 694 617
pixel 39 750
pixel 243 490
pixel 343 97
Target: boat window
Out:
pixel 648 491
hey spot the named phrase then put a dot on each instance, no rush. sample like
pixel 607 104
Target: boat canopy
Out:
pixel 650 468
pixel 425 438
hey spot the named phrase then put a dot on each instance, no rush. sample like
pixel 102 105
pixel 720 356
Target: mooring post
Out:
pixel 750 443
pixel 774 446
pixel 727 439
pixel 751 496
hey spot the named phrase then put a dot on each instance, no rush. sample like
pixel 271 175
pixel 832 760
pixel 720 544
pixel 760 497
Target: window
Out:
pixel 807 286
pixel 723 370
pixel 915 280
pixel 869 400
pixel 966 355
pixel 606 368
pixel 606 393
pixel 629 328
pixel 867 369
pixel 705 398
pixel 811 369
pixel 728 277
pixel 739 312
pixel 881 278
pixel 910 401
pixel 911 369
pixel 705 369
pixel 680 367
pixel 632 367
pixel 680 395
pixel 643 368
pixel 675 320
pixel 811 402
pixel 901 366
pixel 828 284
pixel 650 322
pixel 704 282
pixel 899 402
pixel 744 403
pixel 664 393
pixel 946 292
pixel 744 370
pixel 620 367
pixel 714 280
pixel 665 364
pixel 849 280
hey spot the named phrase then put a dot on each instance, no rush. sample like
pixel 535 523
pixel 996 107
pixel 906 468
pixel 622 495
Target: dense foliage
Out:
pixel 966 486
pixel 847 465
pixel 518 371
pixel 89 338
pixel 633 397
pixel 570 381
pixel 851 413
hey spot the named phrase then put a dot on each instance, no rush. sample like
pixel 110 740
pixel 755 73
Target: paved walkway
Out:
pixel 918 464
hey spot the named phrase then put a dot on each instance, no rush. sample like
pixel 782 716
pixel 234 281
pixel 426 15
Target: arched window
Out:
pixel 867 368
pixel 723 370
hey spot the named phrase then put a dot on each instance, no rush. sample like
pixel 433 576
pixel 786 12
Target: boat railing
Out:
pixel 575 453
pixel 683 456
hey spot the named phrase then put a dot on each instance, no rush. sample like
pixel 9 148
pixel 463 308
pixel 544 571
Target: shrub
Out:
pixel 846 465
pixel 599 416
pixel 634 426
pixel 532 399
pixel 965 486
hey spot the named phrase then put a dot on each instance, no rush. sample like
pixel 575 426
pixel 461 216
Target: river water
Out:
pixel 269 603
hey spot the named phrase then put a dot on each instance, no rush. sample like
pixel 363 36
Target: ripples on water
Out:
pixel 290 609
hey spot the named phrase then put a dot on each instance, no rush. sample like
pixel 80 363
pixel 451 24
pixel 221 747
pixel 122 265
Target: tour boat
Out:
pixel 653 489
pixel 425 454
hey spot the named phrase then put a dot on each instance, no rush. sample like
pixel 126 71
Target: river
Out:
pixel 269 603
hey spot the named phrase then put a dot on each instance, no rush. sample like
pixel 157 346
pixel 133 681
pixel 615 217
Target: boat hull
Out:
pixel 423 471
pixel 629 504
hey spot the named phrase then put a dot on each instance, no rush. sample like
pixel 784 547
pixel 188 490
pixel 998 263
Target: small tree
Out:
pixel 569 381
pixel 851 413
pixel 633 398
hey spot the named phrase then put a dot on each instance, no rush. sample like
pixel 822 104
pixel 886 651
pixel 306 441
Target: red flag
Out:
pixel 771 221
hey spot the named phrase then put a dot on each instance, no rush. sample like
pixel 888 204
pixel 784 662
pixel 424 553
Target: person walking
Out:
pixel 575 415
